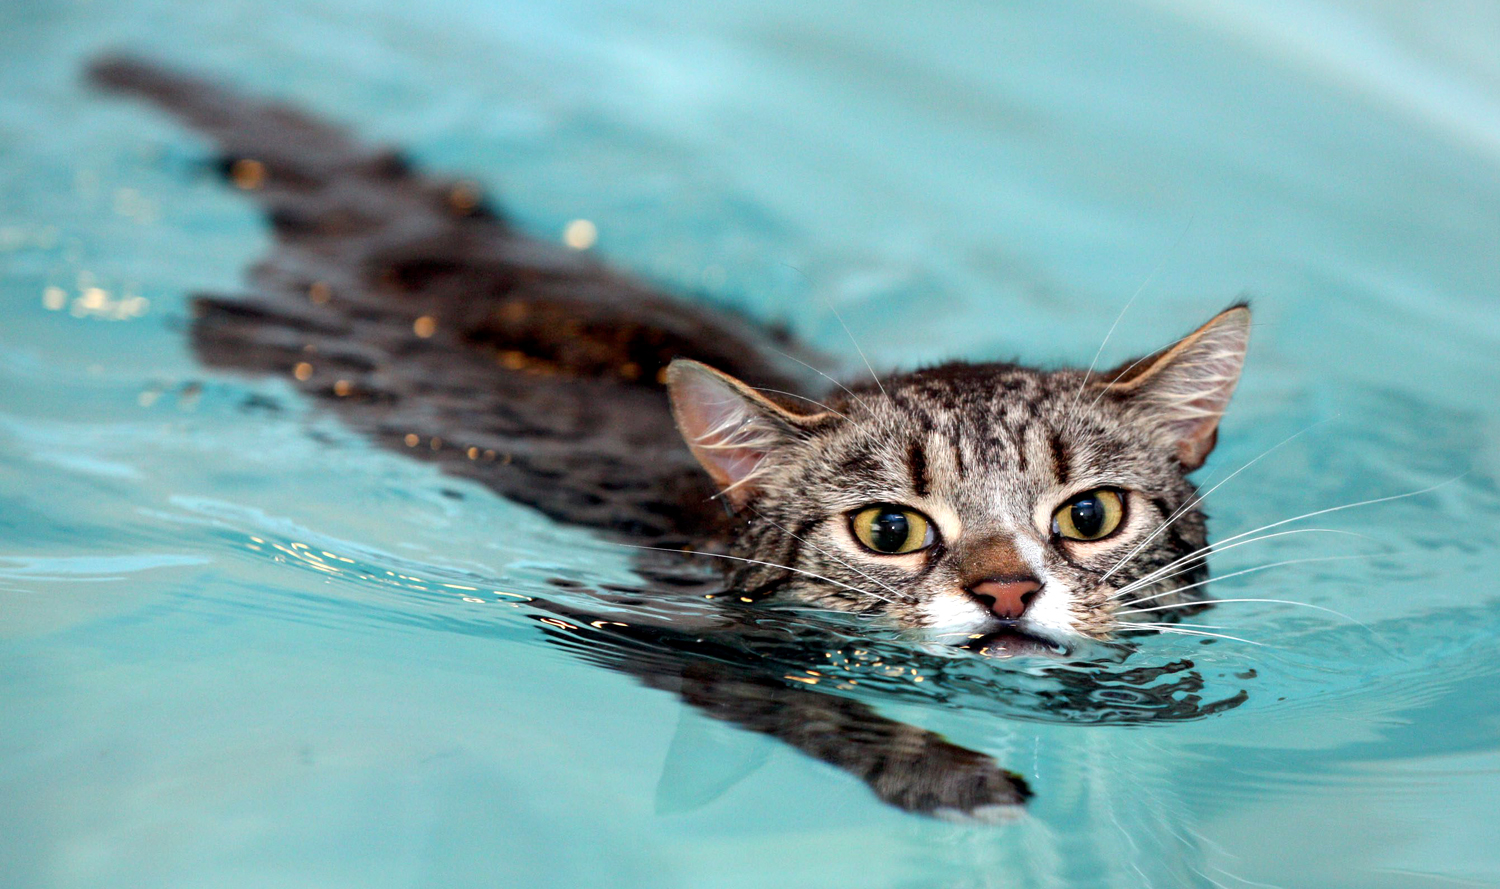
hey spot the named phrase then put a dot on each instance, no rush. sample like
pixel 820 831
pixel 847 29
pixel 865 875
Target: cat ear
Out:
pixel 1183 390
pixel 729 427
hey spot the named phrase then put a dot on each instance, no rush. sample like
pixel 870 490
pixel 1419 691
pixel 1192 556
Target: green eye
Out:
pixel 892 530
pixel 1089 516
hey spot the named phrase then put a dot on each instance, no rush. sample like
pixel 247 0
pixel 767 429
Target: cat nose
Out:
pixel 1007 598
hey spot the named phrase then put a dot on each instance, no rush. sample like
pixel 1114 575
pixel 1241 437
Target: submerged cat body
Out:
pixel 992 506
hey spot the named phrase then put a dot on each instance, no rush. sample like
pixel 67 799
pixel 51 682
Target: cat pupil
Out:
pixel 889 531
pixel 1088 516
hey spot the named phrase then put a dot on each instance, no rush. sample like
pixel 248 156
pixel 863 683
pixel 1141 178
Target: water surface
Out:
pixel 240 646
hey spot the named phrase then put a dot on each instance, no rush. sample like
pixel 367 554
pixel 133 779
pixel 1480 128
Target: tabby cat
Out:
pixel 989 504
pixel 1005 509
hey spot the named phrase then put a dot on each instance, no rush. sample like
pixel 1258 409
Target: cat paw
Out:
pixel 950 782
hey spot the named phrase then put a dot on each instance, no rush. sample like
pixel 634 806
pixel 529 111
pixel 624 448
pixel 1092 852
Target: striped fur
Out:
pixel 988 452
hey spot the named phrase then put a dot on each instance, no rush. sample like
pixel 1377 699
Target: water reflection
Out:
pixel 816 686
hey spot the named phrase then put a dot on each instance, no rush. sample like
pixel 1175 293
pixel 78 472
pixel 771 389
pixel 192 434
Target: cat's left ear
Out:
pixel 1182 390
pixel 730 428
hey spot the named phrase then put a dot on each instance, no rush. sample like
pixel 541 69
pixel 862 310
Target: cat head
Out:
pixel 990 505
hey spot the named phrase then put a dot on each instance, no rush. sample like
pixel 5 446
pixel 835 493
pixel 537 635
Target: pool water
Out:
pixel 239 645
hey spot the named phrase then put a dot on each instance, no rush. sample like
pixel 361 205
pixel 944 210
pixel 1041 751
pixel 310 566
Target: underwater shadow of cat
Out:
pixel 408 307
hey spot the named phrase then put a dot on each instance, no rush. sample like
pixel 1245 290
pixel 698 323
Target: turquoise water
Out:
pixel 240 646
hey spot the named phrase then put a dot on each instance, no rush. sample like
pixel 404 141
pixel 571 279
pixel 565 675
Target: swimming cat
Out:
pixel 991 506
pixel 974 501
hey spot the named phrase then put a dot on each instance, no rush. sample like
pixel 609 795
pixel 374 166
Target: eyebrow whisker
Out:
pixel 820 373
pixel 873 375
pixel 802 398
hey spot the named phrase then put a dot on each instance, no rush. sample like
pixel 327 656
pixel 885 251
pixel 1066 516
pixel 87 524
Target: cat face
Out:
pixel 1000 507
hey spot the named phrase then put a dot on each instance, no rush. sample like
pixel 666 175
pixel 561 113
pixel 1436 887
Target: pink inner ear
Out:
pixel 1188 388
pixel 720 432
pixel 1196 438
pixel 739 464
pixel 723 427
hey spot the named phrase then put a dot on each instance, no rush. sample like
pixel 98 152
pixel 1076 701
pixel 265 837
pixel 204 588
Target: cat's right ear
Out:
pixel 730 428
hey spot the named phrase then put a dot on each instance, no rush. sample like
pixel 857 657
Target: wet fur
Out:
pixel 988 452
pixel 943 438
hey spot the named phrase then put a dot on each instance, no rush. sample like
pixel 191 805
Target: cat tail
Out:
pixel 274 153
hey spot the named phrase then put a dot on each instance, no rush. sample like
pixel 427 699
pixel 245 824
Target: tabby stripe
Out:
pixel 916 464
pixel 1060 460
pixel 860 464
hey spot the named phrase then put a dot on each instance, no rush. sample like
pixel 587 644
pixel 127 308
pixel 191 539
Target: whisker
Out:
pixel 1314 514
pixel 1205 552
pixel 1104 390
pixel 689 552
pixel 1201 633
pixel 1182 510
pixel 835 309
pixel 1120 317
pixel 804 608
pixel 1151 580
pixel 804 541
pixel 1220 546
pixel 821 374
pixel 1237 574
pixel 800 397
pixel 1226 601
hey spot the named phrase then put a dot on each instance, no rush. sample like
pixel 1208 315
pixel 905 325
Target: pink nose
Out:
pixel 1008 599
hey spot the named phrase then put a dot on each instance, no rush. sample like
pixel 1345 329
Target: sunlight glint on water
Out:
pixel 238 646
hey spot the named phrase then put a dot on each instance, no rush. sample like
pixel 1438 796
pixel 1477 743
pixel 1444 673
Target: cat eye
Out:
pixel 1092 515
pixel 892 530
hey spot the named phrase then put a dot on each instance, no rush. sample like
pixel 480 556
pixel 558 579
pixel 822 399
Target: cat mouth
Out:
pixel 1009 642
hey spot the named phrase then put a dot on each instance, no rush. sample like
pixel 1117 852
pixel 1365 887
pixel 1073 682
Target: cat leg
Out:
pixel 909 767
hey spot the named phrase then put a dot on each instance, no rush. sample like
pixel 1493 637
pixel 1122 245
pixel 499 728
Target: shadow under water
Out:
pixel 409 309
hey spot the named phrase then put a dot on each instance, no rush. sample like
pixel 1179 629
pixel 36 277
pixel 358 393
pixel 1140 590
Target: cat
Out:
pixel 1006 510
pixel 980 502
